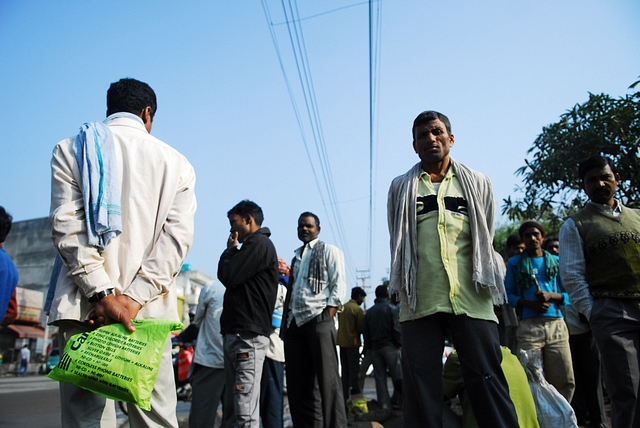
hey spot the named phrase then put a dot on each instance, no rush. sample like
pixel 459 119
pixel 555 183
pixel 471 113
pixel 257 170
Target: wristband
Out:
pixel 100 295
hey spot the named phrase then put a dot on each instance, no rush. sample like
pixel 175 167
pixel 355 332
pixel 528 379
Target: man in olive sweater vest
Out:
pixel 600 267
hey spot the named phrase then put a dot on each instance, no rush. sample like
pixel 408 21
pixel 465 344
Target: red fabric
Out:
pixel 12 310
pixel 283 267
pixel 184 362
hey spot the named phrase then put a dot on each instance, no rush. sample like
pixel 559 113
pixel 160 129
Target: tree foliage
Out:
pixel 602 125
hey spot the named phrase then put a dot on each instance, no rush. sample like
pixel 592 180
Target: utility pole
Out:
pixel 363 274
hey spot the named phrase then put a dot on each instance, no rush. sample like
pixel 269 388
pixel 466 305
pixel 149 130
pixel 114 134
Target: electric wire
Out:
pixel 298 45
pixel 374 54
pixel 296 38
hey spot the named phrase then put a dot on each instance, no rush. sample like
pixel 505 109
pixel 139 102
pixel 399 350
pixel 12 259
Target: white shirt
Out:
pixel 306 305
pixel 25 354
pixel 275 351
pixel 209 349
pixel 573 267
pixel 158 205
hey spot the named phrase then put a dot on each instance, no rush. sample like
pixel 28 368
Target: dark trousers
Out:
pixel 615 324
pixel 207 387
pixel 271 391
pixel 313 381
pixel 350 363
pixel 478 347
pixel 586 370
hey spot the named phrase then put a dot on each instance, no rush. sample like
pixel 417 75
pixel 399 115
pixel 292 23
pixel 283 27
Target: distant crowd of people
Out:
pixel 122 211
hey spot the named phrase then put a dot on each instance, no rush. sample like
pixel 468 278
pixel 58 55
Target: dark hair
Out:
pixel 247 207
pixel 5 224
pixel 131 96
pixel 309 214
pixel 382 292
pixel 595 161
pixel 513 240
pixel 429 116
pixel 548 241
pixel 357 292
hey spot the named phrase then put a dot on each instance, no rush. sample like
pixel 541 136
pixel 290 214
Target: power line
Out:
pixel 374 68
pixel 324 13
pixel 303 69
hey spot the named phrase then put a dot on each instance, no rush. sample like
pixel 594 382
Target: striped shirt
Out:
pixel 305 305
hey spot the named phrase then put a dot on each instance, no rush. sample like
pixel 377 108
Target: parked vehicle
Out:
pixel 52 359
pixel 182 354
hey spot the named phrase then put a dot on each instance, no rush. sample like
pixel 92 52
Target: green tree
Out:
pixel 602 125
pixel 502 232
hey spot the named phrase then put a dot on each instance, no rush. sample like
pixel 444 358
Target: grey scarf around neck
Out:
pixel 317 268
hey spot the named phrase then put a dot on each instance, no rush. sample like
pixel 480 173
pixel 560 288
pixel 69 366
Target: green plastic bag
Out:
pixel 116 363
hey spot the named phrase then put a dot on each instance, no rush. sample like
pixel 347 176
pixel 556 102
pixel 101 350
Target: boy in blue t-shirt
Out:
pixel 535 290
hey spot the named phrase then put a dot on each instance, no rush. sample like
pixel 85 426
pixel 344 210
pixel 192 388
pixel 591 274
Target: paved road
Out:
pixel 32 401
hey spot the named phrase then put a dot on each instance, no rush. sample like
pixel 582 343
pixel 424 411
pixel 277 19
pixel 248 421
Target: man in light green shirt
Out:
pixel 448 276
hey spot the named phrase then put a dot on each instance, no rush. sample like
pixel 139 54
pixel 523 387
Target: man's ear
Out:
pixel 147 118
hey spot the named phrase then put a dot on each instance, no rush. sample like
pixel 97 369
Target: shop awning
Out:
pixel 27 331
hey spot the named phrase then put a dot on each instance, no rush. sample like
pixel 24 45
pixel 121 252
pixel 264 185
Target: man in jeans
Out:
pixel 250 275
pixel 382 336
pixel 25 356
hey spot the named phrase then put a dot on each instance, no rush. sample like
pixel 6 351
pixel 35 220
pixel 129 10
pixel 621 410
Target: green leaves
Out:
pixel 601 125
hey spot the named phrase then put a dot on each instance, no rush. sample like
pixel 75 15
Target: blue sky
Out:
pixel 501 70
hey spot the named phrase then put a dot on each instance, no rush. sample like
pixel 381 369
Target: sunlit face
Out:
pixel 600 185
pixel 432 142
pixel 240 226
pixel 308 230
pixel 533 239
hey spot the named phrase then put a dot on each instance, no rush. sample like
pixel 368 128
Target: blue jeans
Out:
pixel 24 365
pixel 244 355
pixel 271 392
pixel 385 358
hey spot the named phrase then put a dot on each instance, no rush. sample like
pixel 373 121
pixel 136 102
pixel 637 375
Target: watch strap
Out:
pixel 100 295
